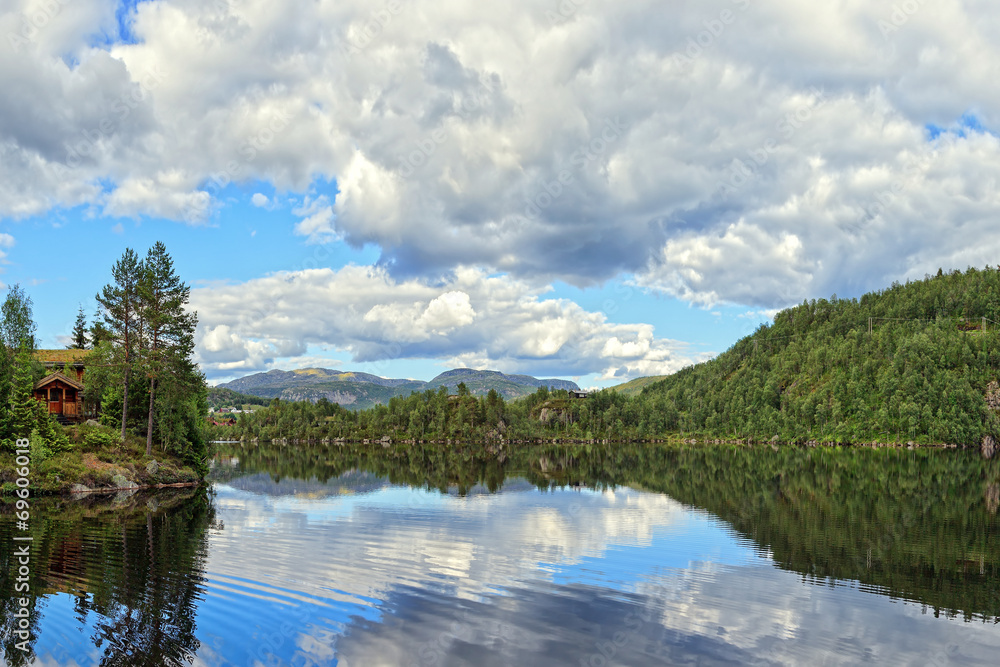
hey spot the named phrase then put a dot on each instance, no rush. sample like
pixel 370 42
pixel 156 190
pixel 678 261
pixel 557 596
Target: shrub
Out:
pixel 101 439
pixel 39 447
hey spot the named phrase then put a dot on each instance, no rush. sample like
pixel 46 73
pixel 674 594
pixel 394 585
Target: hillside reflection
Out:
pixel 920 525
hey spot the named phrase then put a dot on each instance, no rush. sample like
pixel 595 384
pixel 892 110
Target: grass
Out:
pixel 95 459
pixel 635 387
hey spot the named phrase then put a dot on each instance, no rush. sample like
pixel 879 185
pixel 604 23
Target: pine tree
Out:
pixel 120 304
pixel 169 329
pixel 7 435
pixel 98 332
pixel 23 406
pixel 80 341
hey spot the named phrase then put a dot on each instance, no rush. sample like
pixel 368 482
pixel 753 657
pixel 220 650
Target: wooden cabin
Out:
pixel 63 395
pixel 62 390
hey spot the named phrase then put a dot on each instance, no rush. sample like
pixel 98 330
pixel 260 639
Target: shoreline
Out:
pixel 84 470
pixel 77 488
pixel 387 441
pixel 108 491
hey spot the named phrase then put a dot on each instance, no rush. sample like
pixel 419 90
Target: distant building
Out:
pixel 578 394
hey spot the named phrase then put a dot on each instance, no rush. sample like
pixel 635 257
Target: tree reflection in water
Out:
pixel 919 524
pixel 134 568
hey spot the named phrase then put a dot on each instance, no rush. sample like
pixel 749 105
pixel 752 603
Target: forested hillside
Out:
pixel 219 397
pixel 913 362
pixel 635 387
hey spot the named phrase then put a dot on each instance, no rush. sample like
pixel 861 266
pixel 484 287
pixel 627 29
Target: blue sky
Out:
pixel 595 191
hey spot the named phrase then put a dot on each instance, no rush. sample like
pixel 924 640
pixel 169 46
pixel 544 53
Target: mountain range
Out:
pixel 362 390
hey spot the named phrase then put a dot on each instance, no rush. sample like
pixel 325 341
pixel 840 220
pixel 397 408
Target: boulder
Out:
pixel 122 482
pixel 152 467
pixel 989 447
pixel 92 422
pixel 79 488
pixel 124 496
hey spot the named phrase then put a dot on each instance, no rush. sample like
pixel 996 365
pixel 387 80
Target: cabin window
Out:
pixel 55 395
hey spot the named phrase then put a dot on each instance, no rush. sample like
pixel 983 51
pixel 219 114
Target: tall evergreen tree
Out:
pixel 168 328
pixel 23 408
pixel 120 303
pixel 7 436
pixel 98 332
pixel 79 332
pixel 23 416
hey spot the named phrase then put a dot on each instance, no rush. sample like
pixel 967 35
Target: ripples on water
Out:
pixel 344 563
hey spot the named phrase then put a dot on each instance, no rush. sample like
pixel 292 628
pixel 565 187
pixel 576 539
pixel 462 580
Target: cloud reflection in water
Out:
pixel 397 576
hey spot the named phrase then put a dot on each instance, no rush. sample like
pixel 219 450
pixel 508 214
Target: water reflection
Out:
pixel 920 525
pixel 469 555
pixel 589 572
pixel 112 583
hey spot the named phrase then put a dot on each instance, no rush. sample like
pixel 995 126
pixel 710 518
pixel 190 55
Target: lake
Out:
pixel 559 555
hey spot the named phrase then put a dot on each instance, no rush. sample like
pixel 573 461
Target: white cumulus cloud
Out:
pixel 750 151
pixel 474 319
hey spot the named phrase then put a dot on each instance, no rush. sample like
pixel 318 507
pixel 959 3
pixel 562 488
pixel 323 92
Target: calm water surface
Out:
pixel 359 556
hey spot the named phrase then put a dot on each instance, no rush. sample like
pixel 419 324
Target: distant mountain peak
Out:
pixel 361 390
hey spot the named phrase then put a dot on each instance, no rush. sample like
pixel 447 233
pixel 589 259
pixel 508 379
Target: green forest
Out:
pixel 21 416
pixel 913 363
